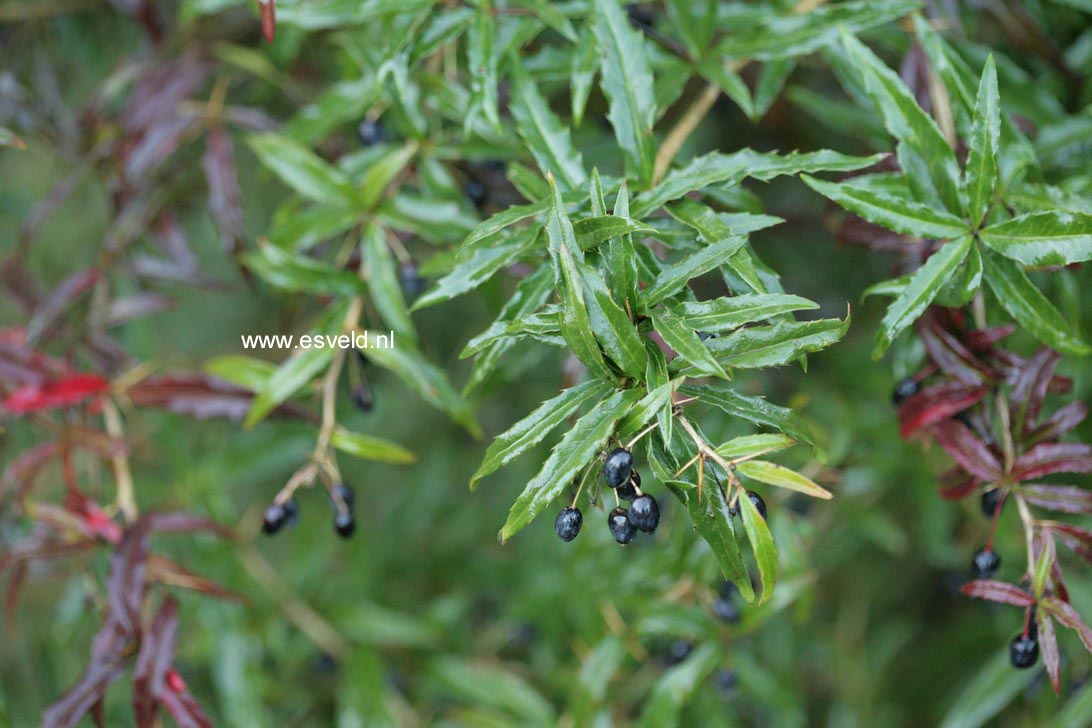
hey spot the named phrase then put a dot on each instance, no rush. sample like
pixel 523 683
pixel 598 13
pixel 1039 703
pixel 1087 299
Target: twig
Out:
pixel 120 463
pixel 682 130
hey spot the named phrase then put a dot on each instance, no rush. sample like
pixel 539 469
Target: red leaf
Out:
pixel 54 395
pixel 982 340
pixel 937 403
pixel 951 356
pixel 968 451
pixel 125 582
pixel 1059 423
pixel 222 178
pixel 181 704
pixel 1060 498
pixel 106 665
pixel 997 591
pixel 1053 457
pixel 1076 539
pixel 956 484
pixel 1068 616
pixel 200 396
pixel 52 309
pixel 167 571
pixel 182 522
pixel 153 661
pixel 1048 643
pixel 1029 389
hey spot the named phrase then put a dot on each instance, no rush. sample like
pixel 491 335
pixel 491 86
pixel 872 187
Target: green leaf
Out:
pixel 1024 302
pixel 987 693
pixel 549 13
pixel 577 448
pixel 546 136
pixel 428 381
pixel 762 543
pixel 242 371
pixel 714 524
pixel 611 324
pixel 674 277
pixel 534 427
pixel 484 684
pixel 920 292
pixel 673 690
pixel 300 230
pixel 753 409
pixel 303 170
pixel 922 141
pixel 295 373
pixel 716 168
pixel 770 346
pixel 481 59
pixel 894 213
pixel 796 34
pixel 679 336
pixel 749 446
pixel 379 175
pixel 323 14
pixel 1043 238
pixel 621 259
pixel 592 231
pixel 714 70
pixel 782 477
pixel 368 447
pixel 299 273
pixel 730 312
pixel 493 225
pixel 658 397
pixel 585 62
pixel 627 83
pixel 383 282
pixel 966 283
pixel 481 265
pixel 981 172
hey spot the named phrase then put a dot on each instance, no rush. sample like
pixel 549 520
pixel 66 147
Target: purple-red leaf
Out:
pixel 54 395
pixel 937 403
pixel 1067 615
pixel 956 484
pixel 153 661
pixel 1030 388
pixel 1059 423
pixel 968 451
pixel 53 307
pixel 1053 457
pixel 222 178
pixel 181 704
pixel 201 396
pixel 1060 498
pixel 1048 643
pixel 951 356
pixel 106 665
pixel 997 591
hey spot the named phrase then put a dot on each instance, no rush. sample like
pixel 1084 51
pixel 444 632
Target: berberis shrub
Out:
pixel 611 223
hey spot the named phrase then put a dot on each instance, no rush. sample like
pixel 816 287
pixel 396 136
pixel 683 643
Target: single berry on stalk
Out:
pixel 1023 651
pixel 568 522
pixel 476 191
pixel 344 523
pixel 412 282
pixel 644 513
pixel 279 515
pixel 678 651
pixel 621 528
pixel 904 390
pixel 370 132
pixel 724 606
pixel 363 399
pixel 985 563
pixel 726 681
pixel 345 493
pixel 756 499
pixel 617 466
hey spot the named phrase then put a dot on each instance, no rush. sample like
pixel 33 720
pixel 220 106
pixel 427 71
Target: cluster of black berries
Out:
pixel 642 515
pixel 279 515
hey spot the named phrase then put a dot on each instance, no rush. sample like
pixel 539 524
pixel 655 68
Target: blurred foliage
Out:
pixel 423 617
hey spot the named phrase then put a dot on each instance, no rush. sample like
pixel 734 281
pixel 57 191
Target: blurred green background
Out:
pixel 433 622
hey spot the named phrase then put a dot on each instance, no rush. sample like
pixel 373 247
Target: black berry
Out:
pixel 705 335
pixel 412 282
pixel 291 513
pixel 363 399
pixel 344 523
pixel 678 651
pixel 985 563
pixel 724 606
pixel 989 502
pixel 345 493
pixel 370 132
pixel 644 513
pixel 617 466
pixel 620 526
pixel 904 390
pixel 1023 651
pixel 568 523
pixel 756 499
pixel 476 191
pixel 278 515
pixel 726 682
pixel 627 491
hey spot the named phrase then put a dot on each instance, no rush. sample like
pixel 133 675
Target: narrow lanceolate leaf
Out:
pixel 997 591
pixel 762 543
pixel 981 171
pixel 674 277
pixel 713 523
pixel 383 284
pixel 591 231
pixel 579 446
pixel 481 58
pixel 686 343
pixel 894 213
pixel 1048 641
pixel 970 453
pixel 730 312
pixel 546 137
pixel 611 324
pixel 493 225
pixel 478 267
pixel 291 376
pixel 906 121
pixel 369 447
pixel 753 409
pixel 534 427
pixel 1043 238
pixel 1068 616
pixel 379 175
pixel 749 446
pixel 673 690
pixel 627 83
pixel 302 274
pixel 770 346
pixel 920 292
pixel 302 170
pixel 621 258
pixel 782 477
